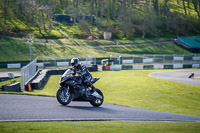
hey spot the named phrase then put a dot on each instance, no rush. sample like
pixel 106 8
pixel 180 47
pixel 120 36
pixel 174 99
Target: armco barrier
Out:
pixel 138 67
pixel 127 67
pixel 195 65
pixel 14 65
pixel 177 66
pixel 156 66
pixel 145 59
pixel 127 61
pixel 40 64
pixel 187 66
pixel 62 64
pixel 116 67
pixel 168 67
pixel 148 67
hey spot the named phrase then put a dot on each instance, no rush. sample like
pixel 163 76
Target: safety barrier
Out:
pixel 14 65
pixel 28 71
pixel 40 79
pixel 64 61
pixel 159 59
pixel 149 61
pixel 156 66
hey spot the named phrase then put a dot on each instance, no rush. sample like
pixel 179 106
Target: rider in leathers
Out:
pixel 83 72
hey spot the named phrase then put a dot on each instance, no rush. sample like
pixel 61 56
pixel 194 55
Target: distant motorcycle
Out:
pixel 72 89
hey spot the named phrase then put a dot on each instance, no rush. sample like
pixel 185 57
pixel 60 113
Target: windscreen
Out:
pixel 67 72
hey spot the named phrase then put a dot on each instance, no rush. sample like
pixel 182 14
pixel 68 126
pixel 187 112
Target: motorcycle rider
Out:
pixel 83 72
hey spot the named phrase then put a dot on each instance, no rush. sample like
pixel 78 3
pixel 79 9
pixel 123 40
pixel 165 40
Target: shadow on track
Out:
pixel 94 109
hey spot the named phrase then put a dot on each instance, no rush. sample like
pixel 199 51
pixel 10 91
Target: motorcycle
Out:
pixel 72 89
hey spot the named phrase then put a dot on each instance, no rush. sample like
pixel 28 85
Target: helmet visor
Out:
pixel 73 64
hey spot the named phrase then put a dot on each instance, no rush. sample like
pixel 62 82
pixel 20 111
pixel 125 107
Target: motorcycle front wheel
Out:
pixel 62 98
pixel 97 102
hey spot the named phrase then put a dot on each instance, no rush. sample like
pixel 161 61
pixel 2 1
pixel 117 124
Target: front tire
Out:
pixel 62 98
pixel 97 102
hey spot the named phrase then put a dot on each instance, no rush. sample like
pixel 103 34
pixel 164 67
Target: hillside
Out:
pixel 126 19
pixel 15 50
pixel 130 21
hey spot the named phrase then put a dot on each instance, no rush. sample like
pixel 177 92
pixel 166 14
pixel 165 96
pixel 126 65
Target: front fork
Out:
pixel 65 91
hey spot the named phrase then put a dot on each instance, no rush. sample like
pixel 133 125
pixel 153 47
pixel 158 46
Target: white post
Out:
pixel 30 41
pixel 164 59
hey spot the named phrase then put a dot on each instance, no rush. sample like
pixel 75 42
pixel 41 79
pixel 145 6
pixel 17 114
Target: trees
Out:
pixel 196 4
pixel 155 6
pixel 127 17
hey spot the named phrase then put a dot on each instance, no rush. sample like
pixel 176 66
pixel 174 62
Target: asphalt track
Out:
pixel 5 74
pixel 179 76
pixel 39 108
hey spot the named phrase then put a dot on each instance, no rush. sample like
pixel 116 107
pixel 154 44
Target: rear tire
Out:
pixel 63 99
pixel 97 102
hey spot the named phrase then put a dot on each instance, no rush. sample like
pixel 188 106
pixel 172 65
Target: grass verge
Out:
pixel 100 127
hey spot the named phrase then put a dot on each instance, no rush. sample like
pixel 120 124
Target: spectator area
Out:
pixel 190 43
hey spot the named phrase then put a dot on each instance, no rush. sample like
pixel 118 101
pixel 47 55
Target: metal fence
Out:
pixel 28 71
pixel 64 61
pixel 160 59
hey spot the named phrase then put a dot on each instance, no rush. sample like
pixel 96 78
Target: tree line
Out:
pixel 127 18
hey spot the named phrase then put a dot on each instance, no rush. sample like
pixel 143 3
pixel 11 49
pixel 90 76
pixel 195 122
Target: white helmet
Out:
pixel 74 61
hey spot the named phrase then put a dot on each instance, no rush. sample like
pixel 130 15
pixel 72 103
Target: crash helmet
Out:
pixel 74 61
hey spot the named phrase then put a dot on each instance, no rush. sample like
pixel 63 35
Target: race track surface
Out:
pixel 5 74
pixel 39 108
pixel 179 76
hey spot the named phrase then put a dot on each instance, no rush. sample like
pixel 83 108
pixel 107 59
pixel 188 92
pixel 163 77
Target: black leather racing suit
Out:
pixel 84 72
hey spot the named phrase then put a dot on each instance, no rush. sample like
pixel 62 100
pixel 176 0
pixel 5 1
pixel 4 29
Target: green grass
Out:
pixel 149 49
pixel 85 42
pixel 10 70
pixel 73 42
pixel 139 40
pixel 19 51
pixel 100 127
pixel 55 34
pixel 136 89
pixel 11 81
pixel 50 88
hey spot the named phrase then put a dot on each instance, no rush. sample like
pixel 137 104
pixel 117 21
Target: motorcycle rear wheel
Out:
pixel 97 102
pixel 62 98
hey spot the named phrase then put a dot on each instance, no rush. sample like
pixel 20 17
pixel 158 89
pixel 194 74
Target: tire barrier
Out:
pixel 42 76
pixel 12 88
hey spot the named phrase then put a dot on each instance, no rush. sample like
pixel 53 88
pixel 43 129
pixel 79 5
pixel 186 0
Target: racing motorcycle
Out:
pixel 72 89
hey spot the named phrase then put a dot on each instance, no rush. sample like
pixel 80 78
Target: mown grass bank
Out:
pixel 149 49
pixel 15 51
pixel 136 89
pixel 100 127
pixel 85 42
